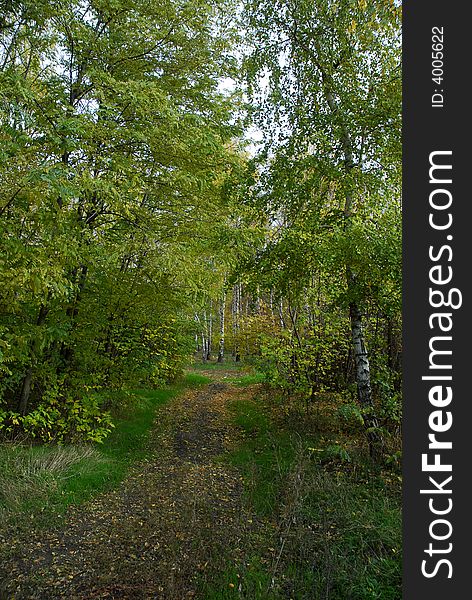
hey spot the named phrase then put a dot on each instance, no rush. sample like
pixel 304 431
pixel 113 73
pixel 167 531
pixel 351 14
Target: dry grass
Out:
pixel 30 473
pixel 337 521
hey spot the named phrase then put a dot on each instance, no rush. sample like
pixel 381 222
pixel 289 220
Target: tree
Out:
pixel 115 149
pixel 221 345
pixel 325 81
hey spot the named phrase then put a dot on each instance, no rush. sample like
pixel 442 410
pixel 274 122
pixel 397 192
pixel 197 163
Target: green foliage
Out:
pixel 325 85
pixel 335 452
pixel 44 479
pixel 61 420
pixel 350 414
pixel 134 228
pixel 328 504
pixel 113 165
pixel 249 379
pixel 387 387
pixel 305 358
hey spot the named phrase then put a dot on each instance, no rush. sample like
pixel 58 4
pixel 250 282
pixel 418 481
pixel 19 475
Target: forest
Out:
pixel 200 299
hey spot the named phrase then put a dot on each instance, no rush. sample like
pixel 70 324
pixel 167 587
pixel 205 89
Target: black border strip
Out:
pixel 440 127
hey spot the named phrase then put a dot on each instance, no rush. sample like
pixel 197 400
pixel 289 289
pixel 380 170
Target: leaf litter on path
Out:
pixel 177 514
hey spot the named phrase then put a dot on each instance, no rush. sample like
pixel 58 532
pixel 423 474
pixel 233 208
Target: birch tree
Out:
pixel 221 344
pixel 324 76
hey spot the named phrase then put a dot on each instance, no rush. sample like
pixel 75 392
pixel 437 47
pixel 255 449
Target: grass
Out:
pixel 227 365
pixel 325 526
pixel 337 530
pixel 248 379
pixel 255 584
pixel 236 373
pixel 39 482
pixel 243 374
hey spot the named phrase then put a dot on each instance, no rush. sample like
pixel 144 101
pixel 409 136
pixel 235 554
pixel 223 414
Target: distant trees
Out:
pixel 221 315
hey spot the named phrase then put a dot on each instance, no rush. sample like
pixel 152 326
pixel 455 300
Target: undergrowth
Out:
pixel 329 520
pixel 38 482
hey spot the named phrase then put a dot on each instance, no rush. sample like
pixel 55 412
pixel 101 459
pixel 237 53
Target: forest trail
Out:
pixel 178 515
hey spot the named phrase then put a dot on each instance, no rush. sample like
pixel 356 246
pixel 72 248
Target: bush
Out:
pixel 61 419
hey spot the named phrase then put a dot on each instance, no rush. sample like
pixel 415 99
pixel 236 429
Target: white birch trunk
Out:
pixel 363 380
pixel 361 359
pixel 204 339
pixel 221 348
pixel 236 311
pixel 210 334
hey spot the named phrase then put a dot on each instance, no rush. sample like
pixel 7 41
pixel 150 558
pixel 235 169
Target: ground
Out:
pixel 239 494
pixel 176 515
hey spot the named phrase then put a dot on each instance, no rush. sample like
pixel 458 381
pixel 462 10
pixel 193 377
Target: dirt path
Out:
pixel 177 516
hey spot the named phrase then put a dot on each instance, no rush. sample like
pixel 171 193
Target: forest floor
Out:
pixel 236 495
pixel 178 513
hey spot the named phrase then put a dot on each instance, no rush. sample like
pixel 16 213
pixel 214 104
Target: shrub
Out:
pixel 61 419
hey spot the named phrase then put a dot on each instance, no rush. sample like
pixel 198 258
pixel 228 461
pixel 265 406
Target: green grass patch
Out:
pixel 255 584
pixel 236 373
pixel 227 365
pixel 338 532
pixel 39 482
pixel 249 417
pixel 248 379
pixel 195 379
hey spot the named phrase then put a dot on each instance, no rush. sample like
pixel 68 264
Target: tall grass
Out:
pixel 31 474
pixel 39 482
pixel 333 527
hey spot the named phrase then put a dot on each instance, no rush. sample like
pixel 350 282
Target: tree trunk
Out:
pixel 361 359
pixel 197 337
pixel 364 388
pixel 271 306
pixel 281 314
pixel 221 348
pixel 26 384
pixel 210 333
pixel 236 313
pixel 204 347
pixel 67 351
pixel 25 391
